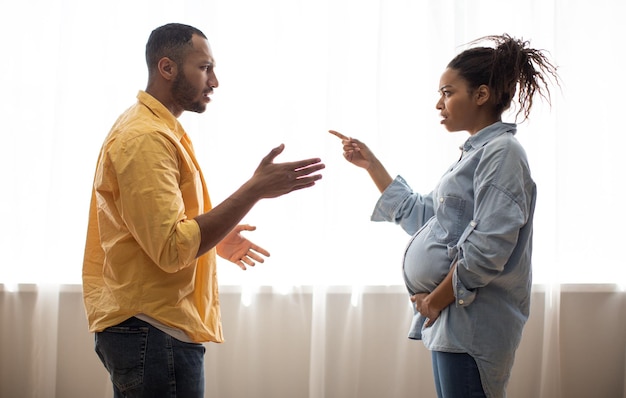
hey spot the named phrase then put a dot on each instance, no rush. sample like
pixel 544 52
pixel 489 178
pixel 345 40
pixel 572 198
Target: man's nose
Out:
pixel 213 82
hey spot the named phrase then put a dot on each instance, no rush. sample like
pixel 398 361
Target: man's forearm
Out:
pixel 218 222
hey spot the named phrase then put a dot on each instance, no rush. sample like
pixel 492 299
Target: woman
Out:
pixel 467 265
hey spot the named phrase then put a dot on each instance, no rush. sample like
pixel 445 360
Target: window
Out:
pixel 289 71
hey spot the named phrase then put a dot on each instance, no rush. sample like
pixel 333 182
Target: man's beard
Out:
pixel 184 94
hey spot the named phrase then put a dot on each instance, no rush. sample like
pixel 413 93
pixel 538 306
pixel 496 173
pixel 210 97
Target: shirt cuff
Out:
pixel 388 203
pixel 187 242
pixel 463 296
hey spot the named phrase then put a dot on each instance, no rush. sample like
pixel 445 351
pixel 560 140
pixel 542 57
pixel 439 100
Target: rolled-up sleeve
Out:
pixel 150 201
pixel 400 205
pixel 503 203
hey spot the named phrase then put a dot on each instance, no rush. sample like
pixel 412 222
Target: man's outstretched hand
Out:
pixel 276 179
pixel 239 250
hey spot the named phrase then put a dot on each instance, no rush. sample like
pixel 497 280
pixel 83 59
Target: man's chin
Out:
pixel 197 108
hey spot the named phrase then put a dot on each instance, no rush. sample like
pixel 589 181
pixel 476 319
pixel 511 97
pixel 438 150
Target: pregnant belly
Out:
pixel 426 261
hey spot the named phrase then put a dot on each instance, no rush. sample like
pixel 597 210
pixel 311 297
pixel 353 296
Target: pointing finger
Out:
pixel 338 134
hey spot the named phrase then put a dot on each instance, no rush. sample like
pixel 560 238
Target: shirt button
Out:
pixel 441 200
pixel 461 302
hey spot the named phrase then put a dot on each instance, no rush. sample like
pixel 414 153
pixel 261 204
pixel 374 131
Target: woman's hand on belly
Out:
pixel 431 304
pixel 422 305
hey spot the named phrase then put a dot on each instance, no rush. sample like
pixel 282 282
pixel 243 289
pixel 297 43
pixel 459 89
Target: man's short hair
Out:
pixel 171 40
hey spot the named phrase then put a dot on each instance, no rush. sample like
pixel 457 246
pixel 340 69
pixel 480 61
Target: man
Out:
pixel 149 273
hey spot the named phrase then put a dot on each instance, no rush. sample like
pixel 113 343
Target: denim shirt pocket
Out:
pixel 450 214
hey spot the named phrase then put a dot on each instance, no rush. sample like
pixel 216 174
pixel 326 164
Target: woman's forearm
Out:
pixel 443 295
pixel 379 175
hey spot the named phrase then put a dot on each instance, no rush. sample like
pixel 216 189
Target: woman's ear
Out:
pixel 482 94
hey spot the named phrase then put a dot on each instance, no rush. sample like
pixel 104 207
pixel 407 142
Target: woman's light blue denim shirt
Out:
pixel 481 216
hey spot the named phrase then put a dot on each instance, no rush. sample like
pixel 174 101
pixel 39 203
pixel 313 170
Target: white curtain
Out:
pixel 290 70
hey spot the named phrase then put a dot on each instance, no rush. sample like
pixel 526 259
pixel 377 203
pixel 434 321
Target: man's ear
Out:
pixel 167 68
pixel 482 94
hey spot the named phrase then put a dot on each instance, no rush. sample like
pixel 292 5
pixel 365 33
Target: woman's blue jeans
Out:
pixel 456 375
pixel 146 362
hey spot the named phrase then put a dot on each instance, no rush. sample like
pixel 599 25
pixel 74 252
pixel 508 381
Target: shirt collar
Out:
pixel 482 137
pixel 160 111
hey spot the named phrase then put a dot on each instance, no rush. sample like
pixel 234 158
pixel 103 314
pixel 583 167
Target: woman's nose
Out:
pixel 439 104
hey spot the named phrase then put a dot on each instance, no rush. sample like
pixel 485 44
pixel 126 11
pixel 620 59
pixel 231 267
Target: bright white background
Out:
pixel 290 70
